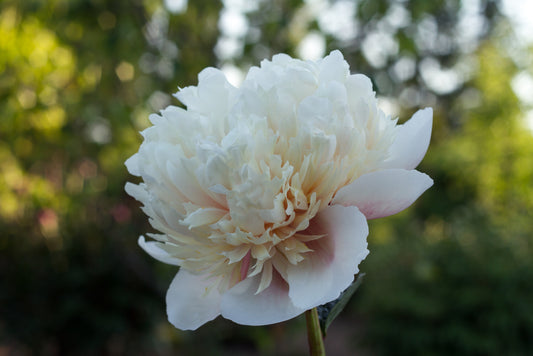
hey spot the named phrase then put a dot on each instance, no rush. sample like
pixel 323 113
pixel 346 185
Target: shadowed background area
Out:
pixel 453 274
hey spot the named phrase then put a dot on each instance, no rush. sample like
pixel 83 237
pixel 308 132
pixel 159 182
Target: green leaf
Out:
pixel 329 311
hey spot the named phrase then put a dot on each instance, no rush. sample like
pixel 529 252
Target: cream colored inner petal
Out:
pixel 234 189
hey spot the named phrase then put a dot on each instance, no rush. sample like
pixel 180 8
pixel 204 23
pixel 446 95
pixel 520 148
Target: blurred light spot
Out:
pixel 165 68
pixel 228 47
pixel 378 46
pixel 48 223
pixel 261 51
pixel 410 97
pixel 13 176
pixel 233 26
pixel 51 119
pixel 312 46
pixel 99 132
pixel 49 226
pixel 159 100
pixel 169 50
pixel 125 71
pixel 429 38
pixel 10 206
pixel 404 69
pixel 26 98
pixel 397 16
pixel 383 83
pixel 121 213
pixel 87 169
pixel 61 57
pixel 471 25
pixel 233 74
pixel 176 6
pixel 434 230
pixel 253 35
pixel 233 23
pixel 92 74
pixel 441 81
pixel 470 98
pixel 43 41
pixel 522 85
pixel 242 5
pixel 107 20
pixel 426 33
pixel 528 120
pixel 148 62
pixel 140 118
pixel 8 18
pixel 156 29
pixel 74 31
pixel 520 12
pixel 48 96
pixel 339 20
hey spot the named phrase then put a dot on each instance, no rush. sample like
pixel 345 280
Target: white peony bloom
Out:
pixel 261 193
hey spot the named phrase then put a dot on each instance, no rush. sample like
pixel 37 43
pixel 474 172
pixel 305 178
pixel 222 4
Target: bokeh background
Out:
pixel 78 78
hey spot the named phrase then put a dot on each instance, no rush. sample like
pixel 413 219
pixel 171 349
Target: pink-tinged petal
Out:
pixel 153 249
pixel 384 192
pixel 411 142
pixel 242 305
pixel 330 268
pixel 192 301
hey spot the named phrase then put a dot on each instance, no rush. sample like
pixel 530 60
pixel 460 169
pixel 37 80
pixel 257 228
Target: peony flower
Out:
pixel 261 194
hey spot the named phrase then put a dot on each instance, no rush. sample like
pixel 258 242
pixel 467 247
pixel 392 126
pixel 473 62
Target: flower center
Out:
pixel 262 204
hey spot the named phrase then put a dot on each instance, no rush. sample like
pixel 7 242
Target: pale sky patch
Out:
pixel 520 12
pixel 522 85
pixel 176 6
pixel 313 46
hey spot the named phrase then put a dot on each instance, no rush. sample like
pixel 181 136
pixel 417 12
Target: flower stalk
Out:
pixel 314 334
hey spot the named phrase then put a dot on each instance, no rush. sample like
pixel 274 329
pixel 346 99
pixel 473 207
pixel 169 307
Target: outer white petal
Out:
pixel 191 301
pixel 384 192
pixel 132 165
pixel 412 141
pixel 272 305
pixel 334 67
pixel 330 268
pixel 137 191
pixel 153 249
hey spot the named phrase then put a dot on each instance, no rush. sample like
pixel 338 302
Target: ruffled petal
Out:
pixel 153 249
pixel 192 301
pixel 273 305
pixel 384 192
pixel 411 142
pixel 330 268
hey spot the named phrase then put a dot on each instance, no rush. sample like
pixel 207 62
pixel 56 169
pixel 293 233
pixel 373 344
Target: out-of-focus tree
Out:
pixel 78 80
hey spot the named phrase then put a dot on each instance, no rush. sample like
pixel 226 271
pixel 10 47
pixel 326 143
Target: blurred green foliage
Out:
pixel 78 79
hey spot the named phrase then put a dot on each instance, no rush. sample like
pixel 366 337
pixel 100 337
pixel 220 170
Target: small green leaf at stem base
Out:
pixel 329 311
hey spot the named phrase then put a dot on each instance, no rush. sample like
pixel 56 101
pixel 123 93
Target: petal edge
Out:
pixel 383 193
pixel 412 141
pixel 191 301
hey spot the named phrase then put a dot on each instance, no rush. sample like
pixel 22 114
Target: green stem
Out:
pixel 314 335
